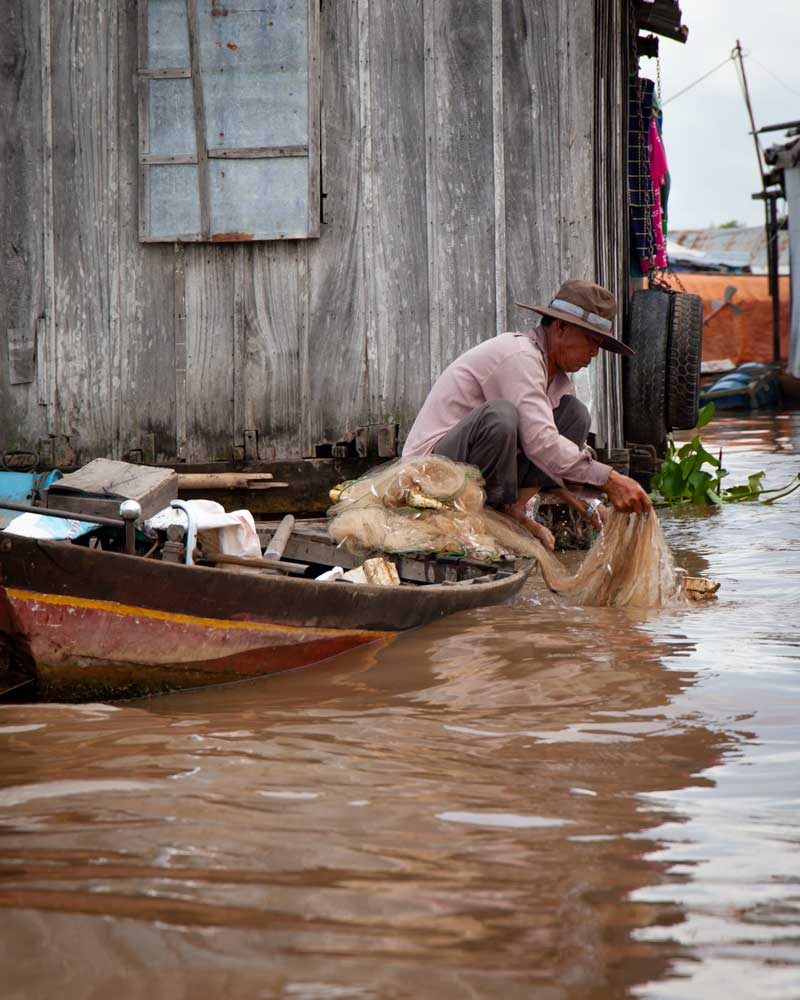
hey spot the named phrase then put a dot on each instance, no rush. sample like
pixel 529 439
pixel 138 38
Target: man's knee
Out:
pixel 572 419
pixel 500 417
pixel 488 430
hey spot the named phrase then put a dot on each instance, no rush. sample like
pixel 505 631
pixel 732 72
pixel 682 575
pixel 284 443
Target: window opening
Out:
pixel 229 144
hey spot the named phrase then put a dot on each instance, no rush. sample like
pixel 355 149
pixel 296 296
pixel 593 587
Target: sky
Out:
pixel 710 151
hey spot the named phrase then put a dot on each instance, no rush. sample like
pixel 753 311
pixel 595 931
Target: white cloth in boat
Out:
pixel 232 534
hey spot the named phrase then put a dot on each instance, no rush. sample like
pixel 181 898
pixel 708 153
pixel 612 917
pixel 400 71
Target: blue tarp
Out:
pixel 742 379
pixel 22 487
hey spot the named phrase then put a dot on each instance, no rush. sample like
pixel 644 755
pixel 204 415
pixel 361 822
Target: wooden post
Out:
pixel 773 262
pixel 278 541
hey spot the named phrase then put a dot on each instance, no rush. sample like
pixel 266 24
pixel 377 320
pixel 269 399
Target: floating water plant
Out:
pixel 691 474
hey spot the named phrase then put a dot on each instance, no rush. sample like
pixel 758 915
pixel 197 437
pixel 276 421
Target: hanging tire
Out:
pixel 644 376
pixel 685 355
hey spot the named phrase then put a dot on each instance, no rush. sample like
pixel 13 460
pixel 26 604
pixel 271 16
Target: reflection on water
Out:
pixel 534 800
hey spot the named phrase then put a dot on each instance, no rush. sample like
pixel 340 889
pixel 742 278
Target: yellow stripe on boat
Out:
pixel 112 607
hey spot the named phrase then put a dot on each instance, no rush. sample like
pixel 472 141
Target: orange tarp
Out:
pixel 748 336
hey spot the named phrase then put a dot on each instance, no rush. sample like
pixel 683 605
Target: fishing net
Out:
pixel 425 505
pixel 630 564
pixel 430 504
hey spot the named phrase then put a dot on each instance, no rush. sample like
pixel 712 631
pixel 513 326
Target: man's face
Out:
pixel 573 347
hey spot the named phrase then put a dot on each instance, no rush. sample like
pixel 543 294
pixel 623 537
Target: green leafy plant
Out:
pixel 690 474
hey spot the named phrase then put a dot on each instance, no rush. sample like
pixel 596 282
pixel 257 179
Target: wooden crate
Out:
pixel 101 486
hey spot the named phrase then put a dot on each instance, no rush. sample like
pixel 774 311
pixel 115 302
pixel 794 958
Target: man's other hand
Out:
pixel 599 517
pixel 626 494
pixel 517 512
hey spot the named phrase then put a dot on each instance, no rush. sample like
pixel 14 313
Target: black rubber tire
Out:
pixel 644 376
pixel 685 355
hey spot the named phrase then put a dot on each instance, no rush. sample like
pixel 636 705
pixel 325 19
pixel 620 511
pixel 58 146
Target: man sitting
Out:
pixel 507 407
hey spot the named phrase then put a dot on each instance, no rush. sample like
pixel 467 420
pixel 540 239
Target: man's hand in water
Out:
pixel 517 512
pixel 598 515
pixel 626 494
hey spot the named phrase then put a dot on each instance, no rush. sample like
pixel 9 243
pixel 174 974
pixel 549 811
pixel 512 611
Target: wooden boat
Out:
pixel 78 623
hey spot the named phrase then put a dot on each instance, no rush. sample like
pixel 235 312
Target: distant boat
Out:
pixel 754 385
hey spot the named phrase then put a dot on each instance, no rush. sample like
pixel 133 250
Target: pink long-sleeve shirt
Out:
pixel 513 367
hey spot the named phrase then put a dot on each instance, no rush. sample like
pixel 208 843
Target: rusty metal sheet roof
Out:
pixel 745 247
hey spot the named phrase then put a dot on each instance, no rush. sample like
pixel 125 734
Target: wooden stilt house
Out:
pixel 259 231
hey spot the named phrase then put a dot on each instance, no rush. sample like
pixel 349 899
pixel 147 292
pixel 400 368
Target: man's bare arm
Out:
pixel 517 512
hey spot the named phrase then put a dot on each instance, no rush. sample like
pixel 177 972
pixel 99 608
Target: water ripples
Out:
pixel 534 800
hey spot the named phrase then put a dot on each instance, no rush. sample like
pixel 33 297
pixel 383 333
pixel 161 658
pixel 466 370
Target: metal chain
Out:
pixel 676 276
pixel 658 79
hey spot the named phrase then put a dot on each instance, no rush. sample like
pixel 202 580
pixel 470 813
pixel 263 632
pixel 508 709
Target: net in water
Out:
pixel 432 505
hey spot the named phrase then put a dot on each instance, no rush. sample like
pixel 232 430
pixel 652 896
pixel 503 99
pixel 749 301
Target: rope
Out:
pixel 727 59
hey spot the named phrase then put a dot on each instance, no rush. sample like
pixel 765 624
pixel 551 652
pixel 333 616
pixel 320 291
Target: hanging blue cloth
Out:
pixel 640 110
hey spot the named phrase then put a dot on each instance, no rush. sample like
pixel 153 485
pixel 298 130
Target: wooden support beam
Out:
pixel 255 152
pixel 199 119
pixel 166 73
pixel 228 481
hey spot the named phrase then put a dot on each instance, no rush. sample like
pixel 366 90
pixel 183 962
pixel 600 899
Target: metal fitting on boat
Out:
pixel 130 511
pixel 191 530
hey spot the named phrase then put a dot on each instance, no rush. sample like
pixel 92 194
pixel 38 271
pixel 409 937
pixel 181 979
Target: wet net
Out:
pixel 431 504
pixel 630 564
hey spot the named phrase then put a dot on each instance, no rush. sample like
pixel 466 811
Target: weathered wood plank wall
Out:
pixel 273 366
pixel 337 363
pixel 549 114
pixel 458 176
pixel 84 200
pixel 612 65
pixel 23 387
pixel 398 325
pixel 148 302
pixel 459 125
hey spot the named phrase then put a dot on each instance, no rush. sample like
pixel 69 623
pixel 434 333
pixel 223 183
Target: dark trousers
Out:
pixel 489 438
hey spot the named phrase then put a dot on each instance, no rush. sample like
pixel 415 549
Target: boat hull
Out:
pixel 89 625
pixel 89 649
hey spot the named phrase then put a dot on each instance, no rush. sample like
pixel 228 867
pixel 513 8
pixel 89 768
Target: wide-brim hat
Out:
pixel 587 305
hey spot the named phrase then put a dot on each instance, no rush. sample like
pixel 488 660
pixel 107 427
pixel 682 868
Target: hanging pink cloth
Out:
pixel 658 173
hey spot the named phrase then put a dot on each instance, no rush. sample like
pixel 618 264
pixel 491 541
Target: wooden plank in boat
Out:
pixel 100 487
pixel 310 543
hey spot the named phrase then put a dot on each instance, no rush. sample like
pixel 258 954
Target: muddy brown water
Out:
pixel 532 801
